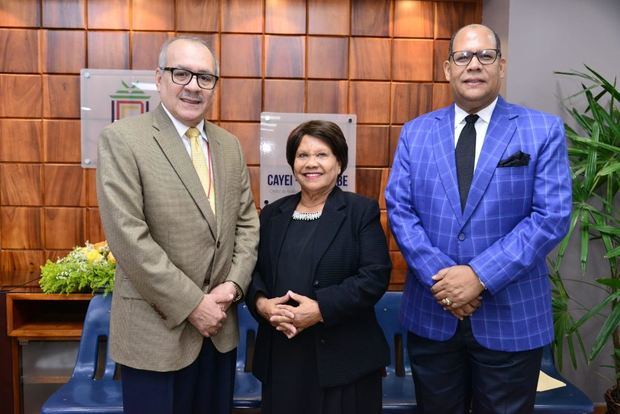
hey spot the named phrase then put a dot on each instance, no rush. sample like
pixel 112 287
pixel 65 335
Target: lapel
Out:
pixel 166 137
pixel 329 225
pixel 219 169
pixel 278 224
pixel 443 151
pixel 500 132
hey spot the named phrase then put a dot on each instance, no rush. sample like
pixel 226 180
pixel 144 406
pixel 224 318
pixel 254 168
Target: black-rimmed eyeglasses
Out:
pixel 184 76
pixel 485 56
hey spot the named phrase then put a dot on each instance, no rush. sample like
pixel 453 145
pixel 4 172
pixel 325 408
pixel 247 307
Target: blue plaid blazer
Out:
pixel 517 210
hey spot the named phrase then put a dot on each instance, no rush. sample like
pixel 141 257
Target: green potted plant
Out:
pixel 594 153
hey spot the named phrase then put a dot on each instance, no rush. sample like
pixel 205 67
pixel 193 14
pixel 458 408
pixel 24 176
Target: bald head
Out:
pixel 467 28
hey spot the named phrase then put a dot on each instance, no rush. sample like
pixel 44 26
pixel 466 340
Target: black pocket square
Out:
pixel 518 159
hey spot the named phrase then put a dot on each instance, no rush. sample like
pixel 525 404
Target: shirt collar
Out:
pixel 484 114
pixel 182 128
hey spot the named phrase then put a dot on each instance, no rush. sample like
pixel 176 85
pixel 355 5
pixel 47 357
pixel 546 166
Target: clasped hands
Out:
pixel 458 289
pixel 208 317
pixel 290 320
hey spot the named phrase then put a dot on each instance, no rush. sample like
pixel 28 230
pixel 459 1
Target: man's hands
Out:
pixel 210 313
pixel 290 320
pixel 458 289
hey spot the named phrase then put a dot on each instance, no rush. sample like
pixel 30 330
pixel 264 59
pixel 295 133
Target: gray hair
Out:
pixel 163 53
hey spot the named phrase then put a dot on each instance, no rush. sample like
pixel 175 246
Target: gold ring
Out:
pixel 446 301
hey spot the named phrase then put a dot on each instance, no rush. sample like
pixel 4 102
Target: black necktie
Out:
pixel 465 155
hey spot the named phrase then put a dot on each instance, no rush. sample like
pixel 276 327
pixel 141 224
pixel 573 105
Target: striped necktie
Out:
pixel 201 165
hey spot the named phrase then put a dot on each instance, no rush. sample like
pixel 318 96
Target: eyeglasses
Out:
pixel 184 76
pixel 485 56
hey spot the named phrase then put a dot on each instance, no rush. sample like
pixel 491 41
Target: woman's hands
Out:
pixel 290 320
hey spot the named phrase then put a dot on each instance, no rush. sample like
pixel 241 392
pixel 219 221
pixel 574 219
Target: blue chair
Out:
pixel 399 392
pixel 247 388
pixel 92 387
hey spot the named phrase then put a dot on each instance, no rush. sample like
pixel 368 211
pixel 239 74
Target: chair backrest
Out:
pixel 247 335
pixel 388 315
pixel 93 354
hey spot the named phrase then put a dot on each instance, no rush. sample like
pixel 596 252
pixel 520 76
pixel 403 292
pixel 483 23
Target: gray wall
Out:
pixel 543 36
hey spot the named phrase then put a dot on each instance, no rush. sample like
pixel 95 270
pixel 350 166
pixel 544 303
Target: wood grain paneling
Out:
pixel 61 96
pixel 108 50
pixel 19 50
pixel 55 44
pixel 370 58
pixel 20 185
pixel 412 60
pixel 248 134
pixel 20 140
pixel 450 16
pixel 410 100
pixel 399 268
pixel 108 14
pixel 368 182
pixel 241 55
pixel 372 146
pixel 285 16
pixel 20 13
pixel 198 15
pixel 328 57
pixel 370 17
pixel 91 187
pixel 152 15
pixel 61 140
pixel 327 96
pixel 63 227
pixel 240 99
pixel 370 101
pixel 284 56
pixel 413 18
pixel 329 17
pixel 63 13
pixel 440 55
pixel 284 95
pixel 243 16
pixel 442 95
pixel 21 228
pixel 94 228
pixel 394 136
pixel 145 49
pixel 64 185
pixel 21 96
pixel 20 266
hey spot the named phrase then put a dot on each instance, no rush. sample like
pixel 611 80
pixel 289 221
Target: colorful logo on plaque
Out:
pixel 128 101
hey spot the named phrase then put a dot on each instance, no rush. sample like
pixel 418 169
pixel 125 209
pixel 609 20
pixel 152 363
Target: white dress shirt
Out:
pixel 482 125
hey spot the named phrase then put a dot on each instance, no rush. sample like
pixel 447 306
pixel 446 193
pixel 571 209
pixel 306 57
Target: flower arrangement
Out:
pixel 85 269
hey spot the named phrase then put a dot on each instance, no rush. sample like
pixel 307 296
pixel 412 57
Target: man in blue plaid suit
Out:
pixel 478 195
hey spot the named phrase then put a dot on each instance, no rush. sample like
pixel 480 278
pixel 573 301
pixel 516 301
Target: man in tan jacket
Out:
pixel 177 210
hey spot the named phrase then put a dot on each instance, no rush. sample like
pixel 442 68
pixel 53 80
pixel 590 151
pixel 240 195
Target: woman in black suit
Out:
pixel 322 265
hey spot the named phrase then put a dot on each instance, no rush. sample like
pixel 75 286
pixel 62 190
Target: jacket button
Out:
pixel 217 245
pixel 315 283
pixel 461 236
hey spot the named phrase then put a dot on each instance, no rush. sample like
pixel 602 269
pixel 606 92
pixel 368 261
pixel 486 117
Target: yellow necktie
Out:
pixel 201 165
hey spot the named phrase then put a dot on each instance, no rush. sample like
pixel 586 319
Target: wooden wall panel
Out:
pixel 20 13
pixel 329 17
pixel 64 13
pixel 19 50
pixel 108 14
pixel 20 266
pixel 54 56
pixel 285 16
pixel 328 57
pixel 379 59
pixel 20 140
pixel 198 15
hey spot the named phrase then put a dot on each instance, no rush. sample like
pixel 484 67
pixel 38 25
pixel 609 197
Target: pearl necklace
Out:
pixel 298 215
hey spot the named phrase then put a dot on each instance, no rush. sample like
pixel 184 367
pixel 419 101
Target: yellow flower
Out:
pixel 111 258
pixel 93 256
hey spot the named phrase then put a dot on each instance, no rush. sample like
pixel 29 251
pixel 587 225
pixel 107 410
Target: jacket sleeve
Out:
pixel 423 259
pixel 363 289
pixel 537 234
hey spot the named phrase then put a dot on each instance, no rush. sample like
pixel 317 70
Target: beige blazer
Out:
pixel 169 247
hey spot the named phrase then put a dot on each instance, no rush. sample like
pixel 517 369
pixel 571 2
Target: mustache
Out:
pixel 192 97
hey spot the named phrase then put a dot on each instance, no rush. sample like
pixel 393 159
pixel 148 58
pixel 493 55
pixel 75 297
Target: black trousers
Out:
pixel 454 376
pixel 204 387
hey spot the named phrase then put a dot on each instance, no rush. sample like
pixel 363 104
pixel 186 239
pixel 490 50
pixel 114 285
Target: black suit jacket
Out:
pixel 351 270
